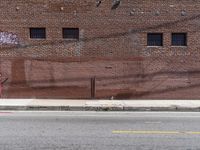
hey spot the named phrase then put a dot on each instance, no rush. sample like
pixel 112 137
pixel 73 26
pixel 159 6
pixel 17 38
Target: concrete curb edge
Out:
pixel 97 108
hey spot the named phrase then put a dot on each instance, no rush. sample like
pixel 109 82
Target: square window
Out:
pixel 37 33
pixel 71 33
pixel 179 39
pixel 154 39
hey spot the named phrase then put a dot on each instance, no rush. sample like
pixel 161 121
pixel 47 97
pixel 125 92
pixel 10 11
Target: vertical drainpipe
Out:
pixel 93 87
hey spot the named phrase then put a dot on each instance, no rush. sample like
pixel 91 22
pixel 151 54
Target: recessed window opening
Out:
pixel 71 33
pixel 179 39
pixel 154 39
pixel 37 33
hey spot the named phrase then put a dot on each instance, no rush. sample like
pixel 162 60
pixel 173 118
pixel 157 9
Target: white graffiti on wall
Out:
pixel 8 38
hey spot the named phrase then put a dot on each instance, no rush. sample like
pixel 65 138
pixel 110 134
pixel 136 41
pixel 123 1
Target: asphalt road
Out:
pixel 99 131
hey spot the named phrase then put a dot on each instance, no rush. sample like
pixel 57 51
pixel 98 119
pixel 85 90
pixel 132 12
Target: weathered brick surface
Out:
pixel 112 47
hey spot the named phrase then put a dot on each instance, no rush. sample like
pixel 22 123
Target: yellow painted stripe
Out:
pixel 144 132
pixel 193 133
pixel 153 132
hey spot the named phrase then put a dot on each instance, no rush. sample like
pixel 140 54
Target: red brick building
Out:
pixel 135 48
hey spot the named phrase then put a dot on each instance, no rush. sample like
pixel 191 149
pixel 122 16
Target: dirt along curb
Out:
pixel 98 108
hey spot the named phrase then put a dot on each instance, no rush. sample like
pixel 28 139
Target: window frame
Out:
pixel 155 33
pixel 185 39
pixel 73 37
pixel 43 37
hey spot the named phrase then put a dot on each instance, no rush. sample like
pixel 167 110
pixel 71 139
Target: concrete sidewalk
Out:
pixel 100 105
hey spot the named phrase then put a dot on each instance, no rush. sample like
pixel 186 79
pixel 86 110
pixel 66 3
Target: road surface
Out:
pixel 99 131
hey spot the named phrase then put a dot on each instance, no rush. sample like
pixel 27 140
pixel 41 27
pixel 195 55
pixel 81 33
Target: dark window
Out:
pixel 70 33
pixel 155 39
pixel 37 33
pixel 179 39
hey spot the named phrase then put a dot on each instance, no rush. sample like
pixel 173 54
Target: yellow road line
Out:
pixel 193 133
pixel 154 132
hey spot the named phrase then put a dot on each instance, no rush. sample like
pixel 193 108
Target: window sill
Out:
pixel 179 46
pixel 155 46
pixel 70 39
pixel 38 39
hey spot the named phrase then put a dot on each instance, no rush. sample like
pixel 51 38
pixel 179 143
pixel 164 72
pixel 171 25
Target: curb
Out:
pixel 98 108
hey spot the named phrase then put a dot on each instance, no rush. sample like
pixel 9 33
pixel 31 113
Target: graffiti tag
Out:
pixel 8 38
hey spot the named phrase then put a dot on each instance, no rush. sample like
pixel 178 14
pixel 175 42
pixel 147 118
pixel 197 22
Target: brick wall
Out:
pixel 112 47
